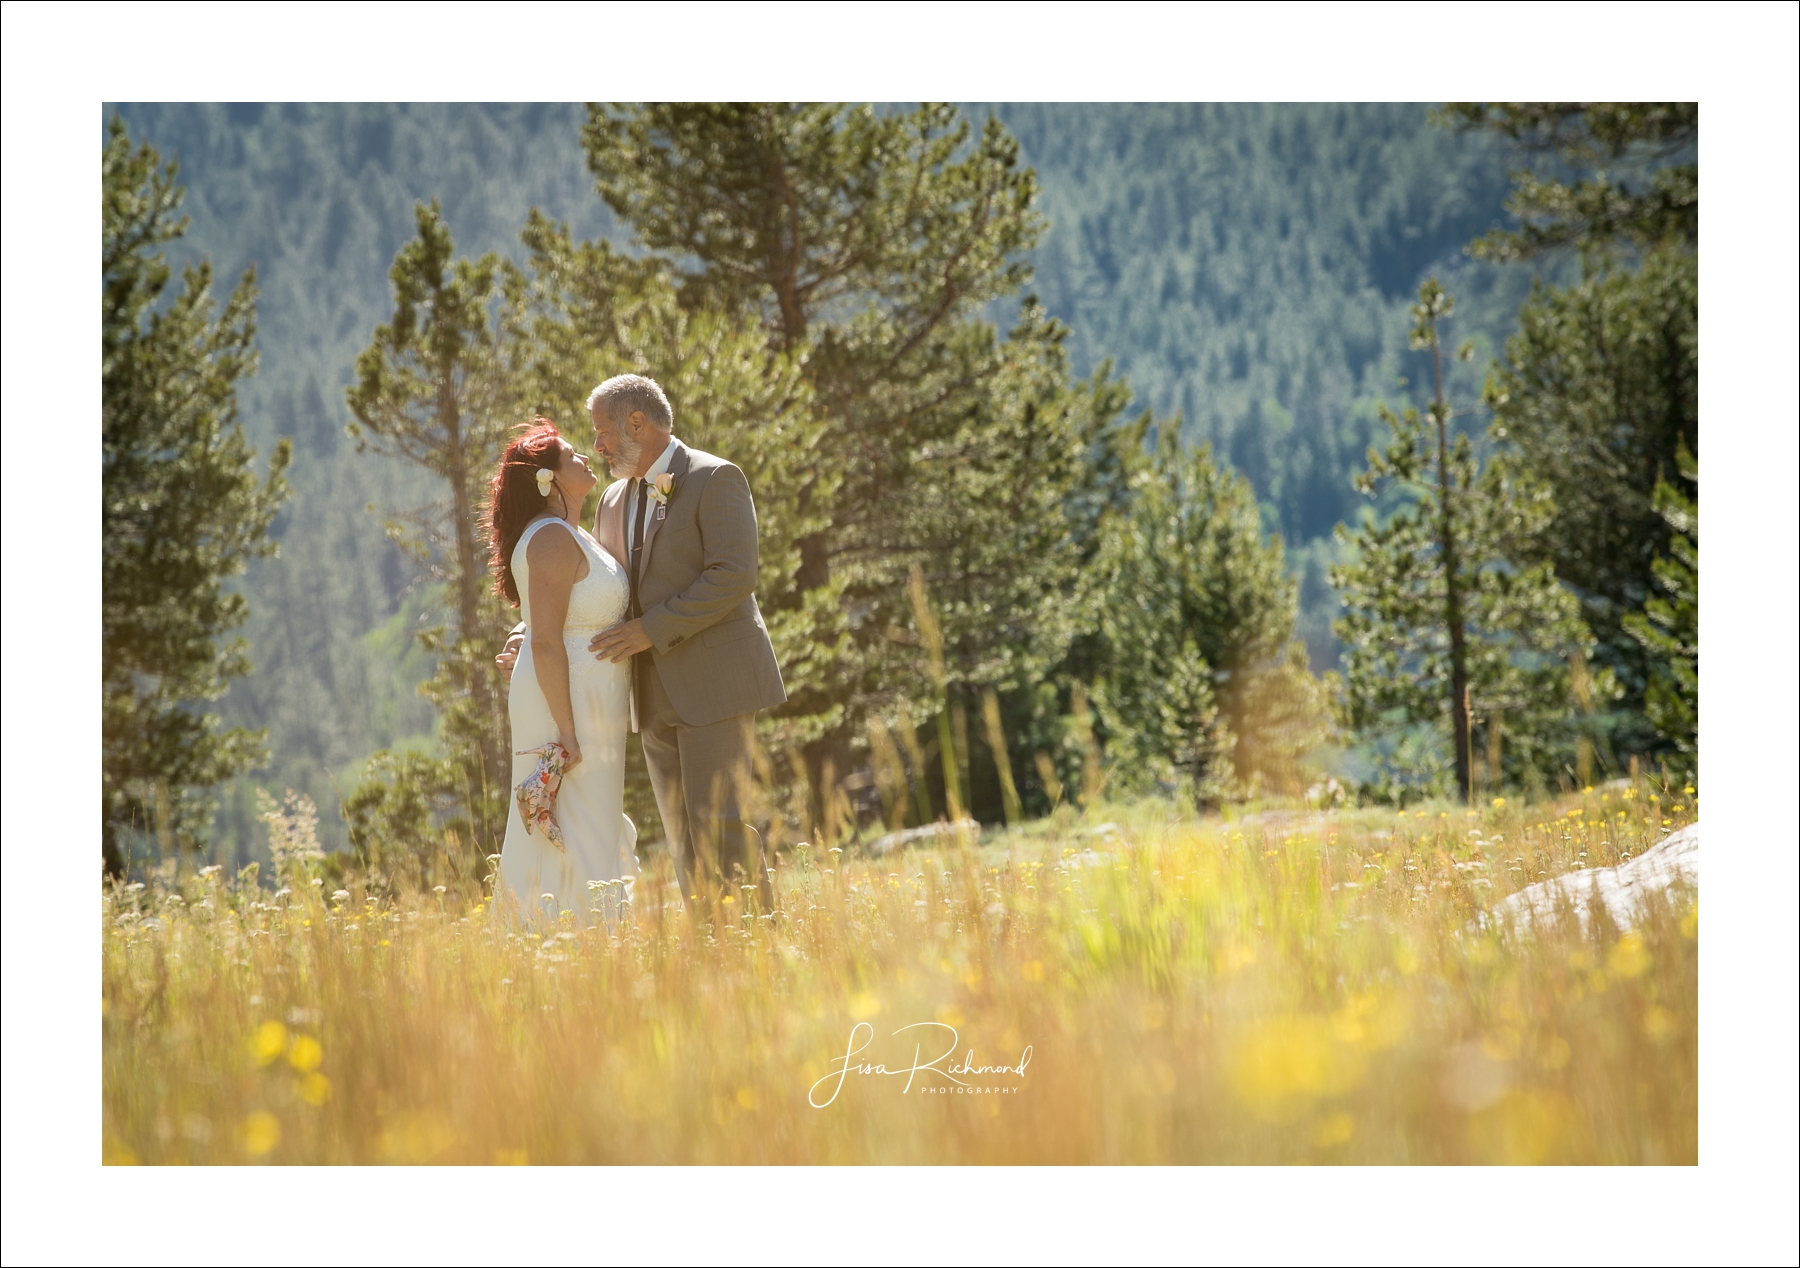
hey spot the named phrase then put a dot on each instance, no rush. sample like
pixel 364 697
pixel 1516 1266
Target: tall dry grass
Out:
pixel 1301 987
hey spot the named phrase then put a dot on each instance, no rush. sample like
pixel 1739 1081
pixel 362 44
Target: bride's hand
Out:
pixel 509 655
pixel 573 748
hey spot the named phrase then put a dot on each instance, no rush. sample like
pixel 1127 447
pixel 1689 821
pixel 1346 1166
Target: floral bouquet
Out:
pixel 537 795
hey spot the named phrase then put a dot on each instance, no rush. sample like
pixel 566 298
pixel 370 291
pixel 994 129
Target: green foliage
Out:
pixel 1669 626
pixel 866 243
pixel 1248 265
pixel 804 210
pixel 1598 394
pixel 415 806
pixel 834 297
pixel 1447 632
pixel 320 197
pixel 1188 613
pixel 433 387
pixel 1248 268
pixel 430 389
pixel 1643 190
pixel 1598 391
pixel 181 512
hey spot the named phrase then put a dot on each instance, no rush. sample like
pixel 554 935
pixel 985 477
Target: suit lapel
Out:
pixel 609 522
pixel 678 466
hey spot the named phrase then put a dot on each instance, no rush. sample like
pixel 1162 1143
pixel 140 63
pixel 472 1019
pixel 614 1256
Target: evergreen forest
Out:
pixel 1359 457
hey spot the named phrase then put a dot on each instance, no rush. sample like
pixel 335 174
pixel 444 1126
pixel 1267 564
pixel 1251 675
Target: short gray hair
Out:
pixel 624 394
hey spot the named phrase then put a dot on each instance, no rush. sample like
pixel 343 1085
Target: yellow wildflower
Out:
pixel 269 1042
pixel 261 1133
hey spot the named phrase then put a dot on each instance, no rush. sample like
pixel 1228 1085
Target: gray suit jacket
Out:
pixel 696 585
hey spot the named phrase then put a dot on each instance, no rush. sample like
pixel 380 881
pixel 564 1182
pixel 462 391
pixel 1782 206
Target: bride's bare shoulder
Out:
pixel 552 547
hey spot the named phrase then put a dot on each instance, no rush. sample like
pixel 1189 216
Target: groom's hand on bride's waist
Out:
pixel 621 642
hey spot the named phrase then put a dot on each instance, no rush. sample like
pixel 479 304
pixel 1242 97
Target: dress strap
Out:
pixel 532 528
pixel 531 531
pixel 518 555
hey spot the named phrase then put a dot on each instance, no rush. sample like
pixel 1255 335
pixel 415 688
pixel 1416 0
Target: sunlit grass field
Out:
pixel 1287 987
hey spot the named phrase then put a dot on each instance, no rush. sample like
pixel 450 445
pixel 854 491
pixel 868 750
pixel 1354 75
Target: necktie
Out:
pixel 637 544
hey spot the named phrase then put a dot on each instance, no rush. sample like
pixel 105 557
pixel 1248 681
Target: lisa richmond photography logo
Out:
pixel 942 1074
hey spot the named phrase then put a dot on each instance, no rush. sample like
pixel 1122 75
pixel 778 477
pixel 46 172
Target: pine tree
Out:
pixel 1669 625
pixel 867 243
pixel 433 388
pixel 1446 632
pixel 1598 392
pixel 1191 636
pixel 181 512
pixel 1641 191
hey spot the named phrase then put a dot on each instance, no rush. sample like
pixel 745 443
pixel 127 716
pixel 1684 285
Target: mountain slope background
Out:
pixel 1247 268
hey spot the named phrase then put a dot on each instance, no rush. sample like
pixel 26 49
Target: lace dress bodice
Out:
pixel 598 600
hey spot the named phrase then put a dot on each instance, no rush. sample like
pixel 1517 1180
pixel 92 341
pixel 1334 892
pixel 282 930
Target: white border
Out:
pixel 1739 61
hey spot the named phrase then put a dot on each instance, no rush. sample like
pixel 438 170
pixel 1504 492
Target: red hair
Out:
pixel 513 497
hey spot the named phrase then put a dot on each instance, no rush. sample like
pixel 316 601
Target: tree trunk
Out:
pixel 1453 605
pixel 468 595
pixel 784 273
pixel 815 562
pixel 468 602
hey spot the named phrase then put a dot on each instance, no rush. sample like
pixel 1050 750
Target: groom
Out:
pixel 683 524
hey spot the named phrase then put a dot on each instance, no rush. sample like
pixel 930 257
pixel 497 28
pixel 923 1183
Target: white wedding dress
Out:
pixel 590 808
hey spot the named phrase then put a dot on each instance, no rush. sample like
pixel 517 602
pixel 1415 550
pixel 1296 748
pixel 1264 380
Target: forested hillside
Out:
pixel 318 199
pixel 1248 268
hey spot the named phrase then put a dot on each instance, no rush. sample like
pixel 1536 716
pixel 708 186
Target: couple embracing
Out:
pixel 649 622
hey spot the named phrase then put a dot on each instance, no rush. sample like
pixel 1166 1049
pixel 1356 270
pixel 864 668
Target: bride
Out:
pixel 570 589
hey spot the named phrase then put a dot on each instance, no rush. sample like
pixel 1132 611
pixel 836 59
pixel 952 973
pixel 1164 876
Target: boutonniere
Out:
pixel 659 490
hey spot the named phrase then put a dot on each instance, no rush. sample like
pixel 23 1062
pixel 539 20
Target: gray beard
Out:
pixel 625 464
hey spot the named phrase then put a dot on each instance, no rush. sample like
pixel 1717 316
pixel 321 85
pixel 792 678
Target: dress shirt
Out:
pixel 660 466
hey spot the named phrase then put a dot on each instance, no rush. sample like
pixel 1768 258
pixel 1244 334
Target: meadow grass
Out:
pixel 1290 987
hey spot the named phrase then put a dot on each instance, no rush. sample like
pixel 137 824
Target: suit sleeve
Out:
pixel 726 518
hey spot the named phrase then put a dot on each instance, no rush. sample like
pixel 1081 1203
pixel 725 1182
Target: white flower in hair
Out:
pixel 545 478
